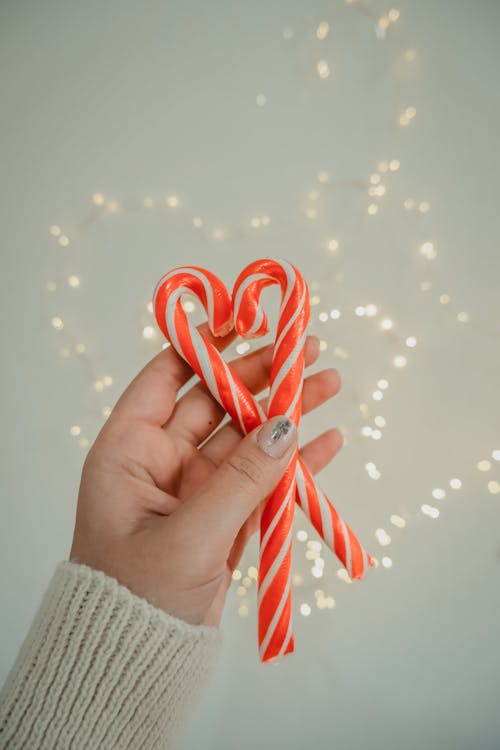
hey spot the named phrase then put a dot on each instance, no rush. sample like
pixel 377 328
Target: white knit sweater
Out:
pixel 103 668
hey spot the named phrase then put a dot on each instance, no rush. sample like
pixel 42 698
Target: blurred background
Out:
pixel 359 140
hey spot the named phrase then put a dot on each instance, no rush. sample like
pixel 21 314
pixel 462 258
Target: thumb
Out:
pixel 246 477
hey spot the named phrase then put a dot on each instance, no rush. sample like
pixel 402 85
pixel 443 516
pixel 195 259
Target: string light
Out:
pixel 323 30
pixel 406 117
pixel 428 510
pixel 382 537
pixel 428 250
pixel 323 69
pixel 343 575
pixel 376 189
pixel 172 201
pixel 397 521
pixel 438 493
pixel 242 347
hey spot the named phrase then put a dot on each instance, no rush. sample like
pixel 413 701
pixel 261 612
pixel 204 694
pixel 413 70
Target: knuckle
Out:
pixel 247 469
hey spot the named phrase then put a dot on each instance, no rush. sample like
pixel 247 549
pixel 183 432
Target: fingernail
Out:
pixel 276 436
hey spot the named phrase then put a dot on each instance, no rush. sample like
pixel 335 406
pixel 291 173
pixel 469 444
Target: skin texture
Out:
pixel 169 498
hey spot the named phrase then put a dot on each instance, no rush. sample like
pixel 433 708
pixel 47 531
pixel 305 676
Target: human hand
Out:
pixel 167 501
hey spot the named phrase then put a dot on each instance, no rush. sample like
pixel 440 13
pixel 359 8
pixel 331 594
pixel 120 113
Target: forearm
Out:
pixel 103 668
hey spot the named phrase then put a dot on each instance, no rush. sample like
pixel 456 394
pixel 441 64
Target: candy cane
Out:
pixel 228 389
pixel 286 379
pixel 285 397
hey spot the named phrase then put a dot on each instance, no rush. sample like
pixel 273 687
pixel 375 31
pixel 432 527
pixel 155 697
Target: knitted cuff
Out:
pixel 103 668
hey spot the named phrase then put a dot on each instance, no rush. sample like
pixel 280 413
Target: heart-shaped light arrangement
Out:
pixel 244 311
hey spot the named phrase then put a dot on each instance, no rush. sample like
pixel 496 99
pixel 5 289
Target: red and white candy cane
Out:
pixel 285 397
pixel 234 396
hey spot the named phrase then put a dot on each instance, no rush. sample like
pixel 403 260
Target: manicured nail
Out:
pixel 276 436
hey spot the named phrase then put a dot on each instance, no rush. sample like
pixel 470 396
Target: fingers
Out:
pixel 318 453
pixel 318 388
pixel 197 413
pixel 151 395
pixel 242 481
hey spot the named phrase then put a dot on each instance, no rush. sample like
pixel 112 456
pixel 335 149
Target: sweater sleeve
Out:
pixel 103 668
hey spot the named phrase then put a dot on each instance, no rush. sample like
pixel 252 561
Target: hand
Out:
pixel 167 502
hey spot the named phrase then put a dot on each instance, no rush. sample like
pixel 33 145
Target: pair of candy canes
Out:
pixel 244 310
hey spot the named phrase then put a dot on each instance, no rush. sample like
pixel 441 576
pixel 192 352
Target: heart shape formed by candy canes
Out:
pixel 243 309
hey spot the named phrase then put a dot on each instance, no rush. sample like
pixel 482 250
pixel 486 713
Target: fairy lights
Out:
pixel 406 117
pixel 428 250
pixel 172 201
pixel 438 493
pixel 397 521
pixel 323 69
pixel 323 30
pixel 377 189
pixel 429 510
